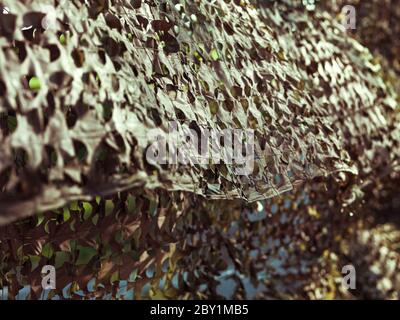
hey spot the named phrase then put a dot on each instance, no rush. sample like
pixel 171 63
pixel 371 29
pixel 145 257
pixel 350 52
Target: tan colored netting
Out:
pixel 112 71
pixel 124 71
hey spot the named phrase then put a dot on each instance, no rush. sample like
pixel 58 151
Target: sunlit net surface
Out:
pixel 79 99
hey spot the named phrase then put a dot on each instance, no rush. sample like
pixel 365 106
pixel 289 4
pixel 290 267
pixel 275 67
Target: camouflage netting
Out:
pixel 78 104
pixel 86 132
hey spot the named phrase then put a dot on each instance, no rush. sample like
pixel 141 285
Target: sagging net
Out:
pixel 81 95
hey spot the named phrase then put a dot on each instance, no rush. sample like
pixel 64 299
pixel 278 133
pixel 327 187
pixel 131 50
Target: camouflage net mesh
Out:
pixel 78 104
